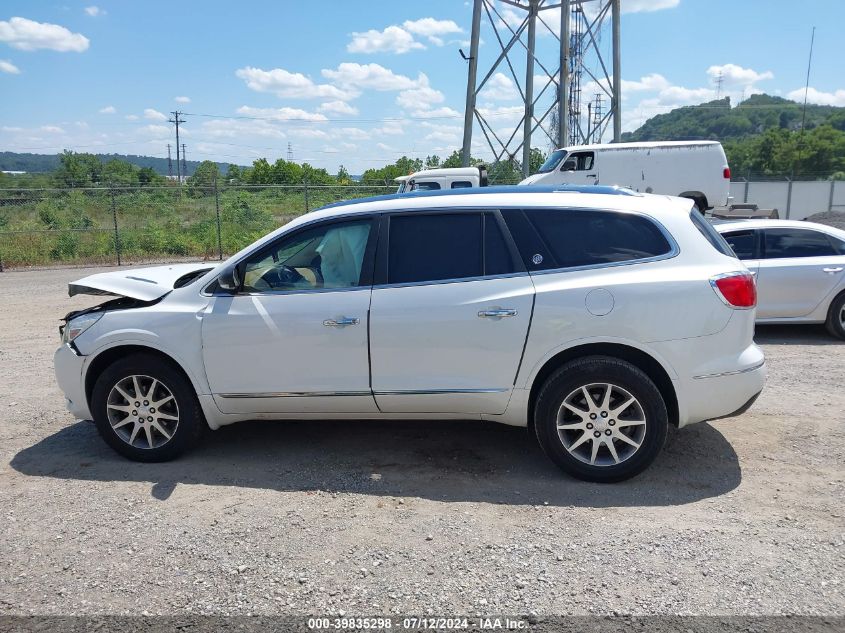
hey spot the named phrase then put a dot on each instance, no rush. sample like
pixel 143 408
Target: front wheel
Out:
pixel 146 409
pixel 601 419
pixel 836 317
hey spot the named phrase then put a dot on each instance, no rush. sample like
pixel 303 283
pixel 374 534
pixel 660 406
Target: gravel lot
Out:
pixel 741 516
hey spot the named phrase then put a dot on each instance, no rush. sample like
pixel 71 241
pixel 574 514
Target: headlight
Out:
pixel 78 325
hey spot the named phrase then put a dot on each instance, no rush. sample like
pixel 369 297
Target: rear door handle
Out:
pixel 497 313
pixel 341 322
pixel 832 270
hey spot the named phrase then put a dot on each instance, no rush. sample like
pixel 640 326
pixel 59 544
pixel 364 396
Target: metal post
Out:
pixel 469 109
pixel 114 219
pixel 829 206
pixel 788 197
pixel 217 208
pixel 745 197
pixel 563 99
pixel 306 197
pixel 617 72
pixel 529 88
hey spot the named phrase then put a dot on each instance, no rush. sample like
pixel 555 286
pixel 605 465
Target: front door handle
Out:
pixel 341 322
pixel 832 270
pixel 497 313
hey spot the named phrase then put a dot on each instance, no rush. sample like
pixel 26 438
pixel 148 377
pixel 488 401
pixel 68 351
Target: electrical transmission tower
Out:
pixel 169 163
pixel 576 25
pixel 720 79
pixel 290 152
pixel 598 120
pixel 177 121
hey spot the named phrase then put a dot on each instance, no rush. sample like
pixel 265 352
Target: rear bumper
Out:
pixel 710 397
pixel 68 366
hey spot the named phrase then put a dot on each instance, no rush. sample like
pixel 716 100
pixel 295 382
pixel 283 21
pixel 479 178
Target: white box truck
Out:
pixel 689 169
pixel 443 178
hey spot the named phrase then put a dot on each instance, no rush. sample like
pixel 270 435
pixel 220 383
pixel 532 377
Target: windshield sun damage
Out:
pixel 552 161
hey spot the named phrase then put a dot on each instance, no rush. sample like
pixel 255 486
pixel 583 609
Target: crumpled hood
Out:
pixel 144 284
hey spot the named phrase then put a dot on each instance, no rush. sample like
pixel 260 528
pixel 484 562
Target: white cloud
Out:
pixel 432 29
pixel 733 75
pixel 836 98
pixel 52 129
pixel 289 85
pixel 500 87
pixel 643 6
pixel 337 107
pixel 154 115
pixel 437 113
pixel 649 83
pixel 350 75
pixel 281 114
pixel 94 11
pixel 155 130
pixel 131 117
pixel 236 129
pixel 182 99
pixel 28 35
pixel 8 67
pixel 11 128
pixel 308 133
pixel 110 109
pixel 352 133
pixel 393 39
pixel 385 147
pixel 390 128
pixel 420 97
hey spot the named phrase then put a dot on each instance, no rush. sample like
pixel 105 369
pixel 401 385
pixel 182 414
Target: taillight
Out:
pixel 737 290
pixel 726 173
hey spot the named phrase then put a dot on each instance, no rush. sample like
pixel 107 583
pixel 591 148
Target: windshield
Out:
pixel 552 161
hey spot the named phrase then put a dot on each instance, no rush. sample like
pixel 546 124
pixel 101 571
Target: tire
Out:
pixel 167 431
pixel 836 317
pixel 644 421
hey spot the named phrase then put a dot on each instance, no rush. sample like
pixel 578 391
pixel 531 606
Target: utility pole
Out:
pixel 616 98
pixel 472 91
pixel 169 163
pixel 176 120
pixel 184 161
pixel 290 152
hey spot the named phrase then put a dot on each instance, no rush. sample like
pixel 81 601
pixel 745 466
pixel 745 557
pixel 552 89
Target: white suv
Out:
pixel 596 316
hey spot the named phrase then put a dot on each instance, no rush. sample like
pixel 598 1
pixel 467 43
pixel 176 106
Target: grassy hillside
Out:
pixel 47 163
pixel 719 121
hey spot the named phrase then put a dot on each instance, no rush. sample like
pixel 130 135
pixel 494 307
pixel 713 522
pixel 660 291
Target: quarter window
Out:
pixel 461 184
pixel 783 243
pixel 564 238
pixel 327 256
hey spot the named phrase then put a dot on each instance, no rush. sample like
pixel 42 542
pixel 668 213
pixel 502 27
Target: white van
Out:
pixel 689 169
pixel 443 178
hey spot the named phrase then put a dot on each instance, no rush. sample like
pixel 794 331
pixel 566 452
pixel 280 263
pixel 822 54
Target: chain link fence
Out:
pixel 128 225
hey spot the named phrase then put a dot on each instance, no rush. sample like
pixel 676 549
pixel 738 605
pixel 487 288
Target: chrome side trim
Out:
pixel 426 392
pixel 295 394
pixel 732 373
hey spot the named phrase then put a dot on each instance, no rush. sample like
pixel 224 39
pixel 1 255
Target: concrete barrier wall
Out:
pixel 795 200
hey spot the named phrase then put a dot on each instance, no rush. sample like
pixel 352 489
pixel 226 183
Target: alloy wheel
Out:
pixel 601 424
pixel 142 411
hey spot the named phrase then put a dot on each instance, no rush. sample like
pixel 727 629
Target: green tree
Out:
pixel 78 170
pixel 120 172
pixel 343 177
pixel 206 173
pixel 148 176
pixel 261 173
pixel 432 161
pixel 536 160
pixel 233 174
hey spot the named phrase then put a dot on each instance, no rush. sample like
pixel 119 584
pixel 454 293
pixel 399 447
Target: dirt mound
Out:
pixel 831 218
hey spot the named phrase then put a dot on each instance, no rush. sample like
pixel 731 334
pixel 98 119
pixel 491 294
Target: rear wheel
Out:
pixel 601 419
pixel 146 409
pixel 836 317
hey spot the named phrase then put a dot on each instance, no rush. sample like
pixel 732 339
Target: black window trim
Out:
pixel 674 249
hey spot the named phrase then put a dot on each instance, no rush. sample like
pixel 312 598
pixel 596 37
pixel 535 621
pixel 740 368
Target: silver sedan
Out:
pixel 800 269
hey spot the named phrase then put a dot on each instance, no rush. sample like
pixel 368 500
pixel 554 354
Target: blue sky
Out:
pixel 363 83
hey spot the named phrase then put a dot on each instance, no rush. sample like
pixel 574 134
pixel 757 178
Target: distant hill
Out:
pixel 719 121
pixel 46 163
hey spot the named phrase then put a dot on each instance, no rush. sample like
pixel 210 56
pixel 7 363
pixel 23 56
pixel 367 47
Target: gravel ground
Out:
pixel 739 516
pixel 831 218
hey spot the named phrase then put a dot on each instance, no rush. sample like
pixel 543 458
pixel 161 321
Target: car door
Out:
pixel 294 339
pixel 799 268
pixel 579 169
pixel 450 314
pixel 746 246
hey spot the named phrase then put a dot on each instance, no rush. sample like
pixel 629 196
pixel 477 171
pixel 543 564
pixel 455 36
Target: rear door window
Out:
pixel 743 243
pixel 566 238
pixel 786 243
pixel 710 234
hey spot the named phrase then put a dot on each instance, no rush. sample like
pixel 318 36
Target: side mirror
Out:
pixel 230 279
